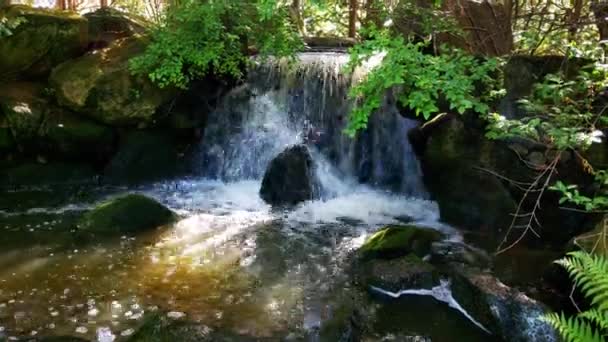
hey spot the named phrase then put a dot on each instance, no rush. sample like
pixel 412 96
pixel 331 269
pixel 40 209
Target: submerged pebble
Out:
pixel 176 315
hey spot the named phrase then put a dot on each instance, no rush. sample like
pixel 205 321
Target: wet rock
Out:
pixel 127 214
pixel 289 179
pixel 69 136
pixel 451 252
pixel 143 156
pixel 505 311
pixel 31 122
pixel 396 241
pixel 409 272
pixel 24 107
pixel 44 39
pixel 101 86
pixel 108 24
pixel 467 196
pixel 36 174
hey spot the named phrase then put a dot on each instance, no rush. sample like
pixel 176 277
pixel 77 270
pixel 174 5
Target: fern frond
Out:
pixel 590 275
pixel 573 329
pixel 597 317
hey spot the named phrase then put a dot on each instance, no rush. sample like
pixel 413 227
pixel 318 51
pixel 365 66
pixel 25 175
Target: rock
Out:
pixel 143 156
pixel 451 252
pixel 108 24
pixel 71 136
pixel 467 196
pixel 24 107
pixel 36 174
pixel 289 178
pixel 409 272
pixel 505 311
pixel 44 39
pixel 101 86
pixel 38 126
pixel 396 241
pixel 127 214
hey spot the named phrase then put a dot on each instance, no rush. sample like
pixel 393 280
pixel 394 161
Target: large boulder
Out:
pixel 108 24
pixel 37 126
pixel 409 272
pixel 23 106
pixel 505 311
pixel 43 39
pixel 290 177
pixel 396 241
pixel 101 86
pixel 142 156
pixel 70 136
pixel 127 214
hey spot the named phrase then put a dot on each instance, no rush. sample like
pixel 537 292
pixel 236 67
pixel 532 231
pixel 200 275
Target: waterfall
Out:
pixel 306 101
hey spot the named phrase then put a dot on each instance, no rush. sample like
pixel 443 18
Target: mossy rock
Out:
pixel 108 24
pixel 24 107
pixel 36 174
pixel 142 156
pixel 101 86
pixel 127 214
pixel 409 272
pixel 75 137
pixel 396 241
pixel 45 39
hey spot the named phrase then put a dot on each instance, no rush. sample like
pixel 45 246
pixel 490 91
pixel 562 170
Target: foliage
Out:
pixel 422 79
pixel 590 275
pixel 571 194
pixel 561 112
pixel 199 37
pixel 8 25
pixel 551 27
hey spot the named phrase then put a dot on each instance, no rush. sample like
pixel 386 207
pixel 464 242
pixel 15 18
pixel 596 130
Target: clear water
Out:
pixel 231 262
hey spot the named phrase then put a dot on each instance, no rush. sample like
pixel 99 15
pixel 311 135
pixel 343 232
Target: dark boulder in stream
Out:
pixel 289 178
pixel 503 310
pixel 127 214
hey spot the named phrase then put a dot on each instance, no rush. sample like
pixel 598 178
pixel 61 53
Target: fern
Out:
pixel 590 275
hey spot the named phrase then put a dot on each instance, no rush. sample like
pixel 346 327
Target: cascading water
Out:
pixel 284 104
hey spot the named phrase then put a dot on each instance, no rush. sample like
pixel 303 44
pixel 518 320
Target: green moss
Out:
pixel 74 79
pixel 101 86
pixel 128 214
pixel 44 40
pixel 395 241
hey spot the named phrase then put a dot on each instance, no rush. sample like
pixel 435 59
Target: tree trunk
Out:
pixel 103 3
pixel 574 19
pixel 372 14
pixel 600 10
pixel 296 15
pixel 353 8
pixel 4 3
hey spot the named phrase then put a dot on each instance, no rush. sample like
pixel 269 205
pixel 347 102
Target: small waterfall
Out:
pixel 306 101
